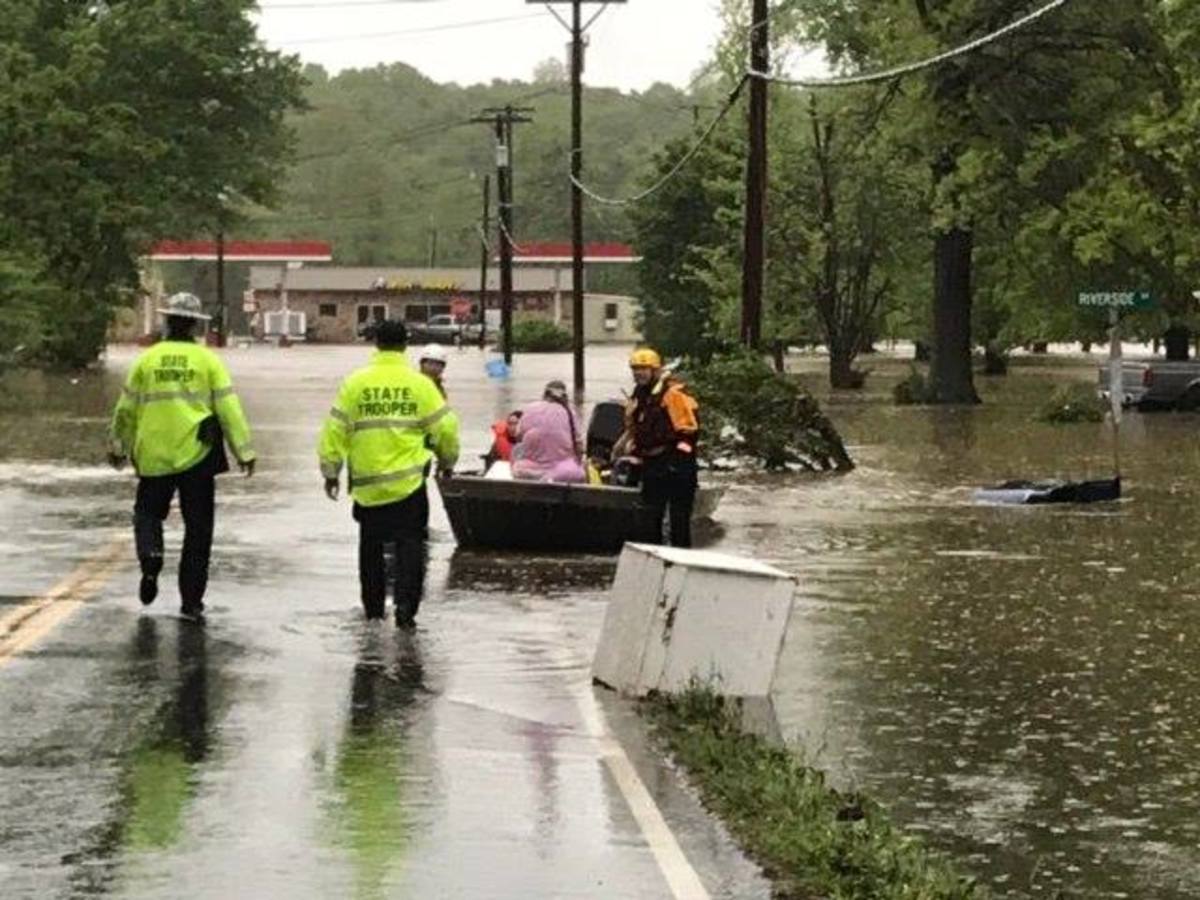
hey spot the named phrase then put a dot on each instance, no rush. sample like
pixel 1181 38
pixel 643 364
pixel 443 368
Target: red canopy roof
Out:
pixel 245 251
pixel 560 252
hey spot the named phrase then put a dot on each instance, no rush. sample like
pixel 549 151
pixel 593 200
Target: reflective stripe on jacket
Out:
pixel 662 417
pixel 378 427
pixel 170 390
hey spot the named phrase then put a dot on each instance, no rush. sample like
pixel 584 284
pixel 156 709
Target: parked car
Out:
pixel 443 330
pixel 1156 384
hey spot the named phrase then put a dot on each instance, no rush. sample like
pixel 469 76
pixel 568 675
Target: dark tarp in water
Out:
pixel 1030 492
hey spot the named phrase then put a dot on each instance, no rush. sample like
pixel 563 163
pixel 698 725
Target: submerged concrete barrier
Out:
pixel 675 616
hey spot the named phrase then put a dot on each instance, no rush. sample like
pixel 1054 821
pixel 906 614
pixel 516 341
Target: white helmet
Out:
pixel 184 306
pixel 434 353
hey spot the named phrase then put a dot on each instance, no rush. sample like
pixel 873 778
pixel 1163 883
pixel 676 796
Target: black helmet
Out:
pixel 390 333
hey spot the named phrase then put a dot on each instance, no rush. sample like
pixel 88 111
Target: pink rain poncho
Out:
pixel 547 449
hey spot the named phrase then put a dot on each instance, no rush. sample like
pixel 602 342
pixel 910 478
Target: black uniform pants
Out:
pixel 197 496
pixel 402 524
pixel 669 485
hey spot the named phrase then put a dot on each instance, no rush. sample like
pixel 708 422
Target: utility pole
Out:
pixel 220 323
pixel 484 253
pixel 577 193
pixel 578 28
pixel 754 255
pixel 502 120
pixel 433 248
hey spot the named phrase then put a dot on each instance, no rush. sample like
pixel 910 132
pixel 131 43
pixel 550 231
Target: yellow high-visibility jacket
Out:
pixel 171 389
pixel 378 426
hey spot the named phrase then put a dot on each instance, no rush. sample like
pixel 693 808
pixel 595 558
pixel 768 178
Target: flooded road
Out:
pixel 1019 684
pixel 289 748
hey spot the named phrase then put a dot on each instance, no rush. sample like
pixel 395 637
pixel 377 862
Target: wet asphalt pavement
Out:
pixel 289 748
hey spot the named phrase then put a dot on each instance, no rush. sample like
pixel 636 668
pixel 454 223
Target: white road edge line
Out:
pixel 682 878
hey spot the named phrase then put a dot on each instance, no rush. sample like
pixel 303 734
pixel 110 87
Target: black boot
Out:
pixel 193 611
pixel 148 538
pixel 148 589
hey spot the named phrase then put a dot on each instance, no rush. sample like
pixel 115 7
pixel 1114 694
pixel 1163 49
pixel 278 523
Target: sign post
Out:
pixel 1115 302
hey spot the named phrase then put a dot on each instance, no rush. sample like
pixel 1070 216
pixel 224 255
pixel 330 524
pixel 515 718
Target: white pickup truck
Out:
pixel 444 330
pixel 1156 384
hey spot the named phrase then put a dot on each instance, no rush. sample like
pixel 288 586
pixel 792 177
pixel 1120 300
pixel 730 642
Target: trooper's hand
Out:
pixel 116 460
pixel 332 488
pixel 247 467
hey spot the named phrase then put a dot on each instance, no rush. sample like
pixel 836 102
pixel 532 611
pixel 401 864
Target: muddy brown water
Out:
pixel 1019 685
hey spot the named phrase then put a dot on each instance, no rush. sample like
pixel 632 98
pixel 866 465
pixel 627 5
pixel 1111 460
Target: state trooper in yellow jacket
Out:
pixel 175 414
pixel 378 427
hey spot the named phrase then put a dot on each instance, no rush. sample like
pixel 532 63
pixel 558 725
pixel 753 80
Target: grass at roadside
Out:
pixel 812 841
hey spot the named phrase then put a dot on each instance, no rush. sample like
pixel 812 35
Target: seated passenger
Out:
pixel 549 438
pixel 504 439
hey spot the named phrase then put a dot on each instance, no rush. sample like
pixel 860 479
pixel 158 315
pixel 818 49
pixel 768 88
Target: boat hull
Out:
pixel 546 517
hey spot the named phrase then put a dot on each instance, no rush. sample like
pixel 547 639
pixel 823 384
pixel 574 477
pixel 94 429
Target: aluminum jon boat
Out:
pixel 537 516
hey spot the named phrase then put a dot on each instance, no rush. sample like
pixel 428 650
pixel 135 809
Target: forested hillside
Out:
pixel 386 158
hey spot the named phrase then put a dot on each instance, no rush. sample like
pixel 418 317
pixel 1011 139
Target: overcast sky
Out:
pixel 633 44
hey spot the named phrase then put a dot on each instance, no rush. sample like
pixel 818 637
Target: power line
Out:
pixel 424 131
pixel 682 161
pixel 429 29
pixel 909 68
pixel 512 241
pixel 430 130
pixel 332 4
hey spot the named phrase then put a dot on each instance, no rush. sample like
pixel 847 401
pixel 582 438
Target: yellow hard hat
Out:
pixel 644 356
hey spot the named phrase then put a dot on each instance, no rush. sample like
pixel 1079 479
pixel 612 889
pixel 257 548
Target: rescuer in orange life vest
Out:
pixel 661 429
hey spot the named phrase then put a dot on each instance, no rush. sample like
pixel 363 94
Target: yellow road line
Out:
pixel 22 627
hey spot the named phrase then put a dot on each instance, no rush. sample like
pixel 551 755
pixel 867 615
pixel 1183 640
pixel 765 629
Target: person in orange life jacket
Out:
pixel 662 430
pixel 504 438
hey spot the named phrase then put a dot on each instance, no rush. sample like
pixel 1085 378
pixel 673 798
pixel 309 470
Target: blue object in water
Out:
pixel 497 368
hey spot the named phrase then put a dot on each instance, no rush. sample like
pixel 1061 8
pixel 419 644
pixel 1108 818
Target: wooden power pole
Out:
pixel 578 28
pixel 754 255
pixel 222 317
pixel 485 251
pixel 577 193
pixel 502 120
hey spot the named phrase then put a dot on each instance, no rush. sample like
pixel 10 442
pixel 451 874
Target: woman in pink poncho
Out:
pixel 549 440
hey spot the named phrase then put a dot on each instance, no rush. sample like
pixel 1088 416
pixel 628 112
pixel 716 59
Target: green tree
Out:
pixel 122 122
pixel 1025 117
pixel 841 200
pixel 677 231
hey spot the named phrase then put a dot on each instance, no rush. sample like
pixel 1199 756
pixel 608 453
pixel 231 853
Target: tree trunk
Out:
pixel 951 380
pixel 841 369
pixel 995 360
pixel 1040 347
pixel 777 355
pixel 1085 346
pixel 921 352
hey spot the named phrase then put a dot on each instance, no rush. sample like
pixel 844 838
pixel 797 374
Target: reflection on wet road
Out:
pixel 1019 684
pixel 289 748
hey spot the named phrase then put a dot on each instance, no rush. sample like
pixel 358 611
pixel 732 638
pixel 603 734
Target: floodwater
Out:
pixel 288 748
pixel 1019 685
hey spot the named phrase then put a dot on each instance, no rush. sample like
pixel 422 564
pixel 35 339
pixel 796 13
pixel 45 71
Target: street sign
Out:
pixel 1117 299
